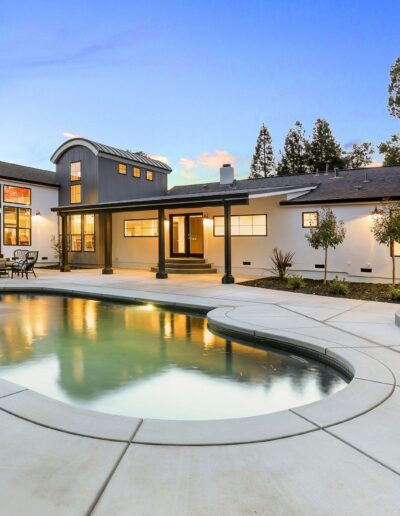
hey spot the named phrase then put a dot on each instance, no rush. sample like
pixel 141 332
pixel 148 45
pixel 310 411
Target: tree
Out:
pixel 386 230
pixel 391 151
pixel 394 89
pixel 360 155
pixel 323 148
pixel 263 163
pixel 329 233
pixel 294 155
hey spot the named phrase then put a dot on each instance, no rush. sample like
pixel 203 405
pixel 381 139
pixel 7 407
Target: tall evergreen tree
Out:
pixel 295 152
pixel 323 148
pixel 263 163
pixel 394 89
pixel 360 155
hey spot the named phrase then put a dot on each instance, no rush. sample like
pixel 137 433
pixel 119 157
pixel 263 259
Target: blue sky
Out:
pixel 192 81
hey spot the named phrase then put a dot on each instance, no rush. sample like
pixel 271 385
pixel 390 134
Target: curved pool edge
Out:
pixel 373 382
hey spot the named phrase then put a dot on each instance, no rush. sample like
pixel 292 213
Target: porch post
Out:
pixel 64 267
pixel 161 274
pixel 107 223
pixel 227 278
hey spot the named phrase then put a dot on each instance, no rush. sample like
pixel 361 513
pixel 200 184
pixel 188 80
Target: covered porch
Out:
pixel 177 222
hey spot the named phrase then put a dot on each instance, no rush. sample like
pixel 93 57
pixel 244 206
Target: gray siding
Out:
pixel 89 181
pixel 119 187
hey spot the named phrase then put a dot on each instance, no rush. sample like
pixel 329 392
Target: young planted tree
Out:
pixel 323 148
pixel 391 151
pixel 386 230
pixel 295 152
pixel 394 90
pixel 329 233
pixel 360 155
pixel 263 163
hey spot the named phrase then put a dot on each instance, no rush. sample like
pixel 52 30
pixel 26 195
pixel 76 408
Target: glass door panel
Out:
pixel 178 234
pixel 186 235
pixel 195 235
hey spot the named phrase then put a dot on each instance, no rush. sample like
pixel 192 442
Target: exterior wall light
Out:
pixel 38 214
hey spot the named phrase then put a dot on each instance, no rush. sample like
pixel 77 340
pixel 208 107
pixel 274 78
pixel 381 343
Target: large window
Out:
pixel 141 228
pixel 149 175
pixel 75 194
pixel 76 170
pixel 76 233
pixel 310 219
pixel 122 168
pixel 88 233
pixel 17 226
pixel 136 172
pixel 242 225
pixel 16 194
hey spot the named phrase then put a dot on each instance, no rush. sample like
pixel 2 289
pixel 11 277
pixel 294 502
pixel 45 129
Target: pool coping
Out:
pixel 372 384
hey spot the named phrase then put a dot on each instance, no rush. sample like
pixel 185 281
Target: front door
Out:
pixel 186 235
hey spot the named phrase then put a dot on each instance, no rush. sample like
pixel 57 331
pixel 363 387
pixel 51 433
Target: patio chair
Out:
pixel 25 266
pixel 20 254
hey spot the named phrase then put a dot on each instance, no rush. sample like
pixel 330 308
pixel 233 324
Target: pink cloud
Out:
pixel 375 163
pixel 163 159
pixel 186 162
pixel 215 160
pixel 71 135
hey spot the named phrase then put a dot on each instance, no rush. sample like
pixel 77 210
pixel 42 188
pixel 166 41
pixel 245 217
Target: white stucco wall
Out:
pixel 285 231
pixel 43 198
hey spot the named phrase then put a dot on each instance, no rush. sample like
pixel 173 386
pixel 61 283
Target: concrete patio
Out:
pixel 340 455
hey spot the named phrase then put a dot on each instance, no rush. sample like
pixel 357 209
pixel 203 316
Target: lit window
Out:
pixel 75 194
pixel 242 225
pixel 76 233
pixel 141 228
pixel 396 249
pixel 136 172
pixel 149 175
pixel 88 233
pixel 16 194
pixel 122 168
pixel 310 219
pixel 76 171
pixel 17 226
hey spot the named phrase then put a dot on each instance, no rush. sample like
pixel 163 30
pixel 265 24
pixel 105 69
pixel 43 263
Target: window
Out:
pixel 310 219
pixel 136 172
pixel 76 233
pixel 122 168
pixel 242 225
pixel 17 226
pixel 88 233
pixel 141 228
pixel 396 249
pixel 75 194
pixel 149 175
pixel 16 194
pixel 76 169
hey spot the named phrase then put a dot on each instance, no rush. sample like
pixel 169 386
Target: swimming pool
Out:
pixel 139 360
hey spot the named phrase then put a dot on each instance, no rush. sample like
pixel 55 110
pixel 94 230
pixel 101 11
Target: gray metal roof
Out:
pixel 110 151
pixel 15 172
pixel 357 184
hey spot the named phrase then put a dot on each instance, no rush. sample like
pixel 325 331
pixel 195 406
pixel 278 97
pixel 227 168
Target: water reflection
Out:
pixel 139 360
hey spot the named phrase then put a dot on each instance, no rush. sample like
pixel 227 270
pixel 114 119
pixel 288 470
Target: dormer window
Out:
pixel 136 172
pixel 122 168
pixel 76 169
pixel 149 175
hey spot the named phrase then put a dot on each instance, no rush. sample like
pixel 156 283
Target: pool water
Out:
pixel 138 360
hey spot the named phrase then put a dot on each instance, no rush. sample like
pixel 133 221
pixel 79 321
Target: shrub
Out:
pixel 338 287
pixel 281 262
pixel 295 282
pixel 394 293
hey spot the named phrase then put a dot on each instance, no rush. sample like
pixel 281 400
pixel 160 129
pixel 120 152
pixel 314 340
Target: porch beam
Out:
pixel 227 278
pixel 107 226
pixel 64 266
pixel 161 274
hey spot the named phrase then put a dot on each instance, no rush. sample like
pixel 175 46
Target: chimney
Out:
pixel 226 174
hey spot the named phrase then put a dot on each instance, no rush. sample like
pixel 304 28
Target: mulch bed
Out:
pixel 364 291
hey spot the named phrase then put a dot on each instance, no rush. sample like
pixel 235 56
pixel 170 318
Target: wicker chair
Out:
pixel 20 254
pixel 25 266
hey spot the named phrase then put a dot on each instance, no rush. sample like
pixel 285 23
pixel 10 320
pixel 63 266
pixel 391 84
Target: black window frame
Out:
pixel 242 215
pixel 126 169
pixel 84 234
pixel 140 236
pixel 17 227
pixel 80 191
pixel 133 172
pixel 70 171
pixel 307 213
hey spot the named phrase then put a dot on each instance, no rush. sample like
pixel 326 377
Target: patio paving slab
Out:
pixel 312 474
pixel 7 388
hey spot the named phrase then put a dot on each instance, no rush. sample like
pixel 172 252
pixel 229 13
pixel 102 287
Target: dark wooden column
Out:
pixel 107 227
pixel 228 278
pixel 64 266
pixel 161 274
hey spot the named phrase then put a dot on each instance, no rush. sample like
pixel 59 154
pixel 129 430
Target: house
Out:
pixel 26 219
pixel 115 210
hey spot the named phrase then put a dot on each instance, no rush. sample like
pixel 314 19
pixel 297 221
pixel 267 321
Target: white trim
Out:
pixel 72 143
pixel 283 192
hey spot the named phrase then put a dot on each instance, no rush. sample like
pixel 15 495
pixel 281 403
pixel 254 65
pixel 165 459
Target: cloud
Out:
pixel 186 162
pixel 163 159
pixel 71 135
pixel 375 163
pixel 215 160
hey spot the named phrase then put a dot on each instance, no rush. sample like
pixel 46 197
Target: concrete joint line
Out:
pixel 12 393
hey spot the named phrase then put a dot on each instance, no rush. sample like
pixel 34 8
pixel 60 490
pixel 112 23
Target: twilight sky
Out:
pixel 192 81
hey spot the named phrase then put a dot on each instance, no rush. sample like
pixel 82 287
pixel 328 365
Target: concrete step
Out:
pixel 179 265
pixel 171 270
pixel 185 260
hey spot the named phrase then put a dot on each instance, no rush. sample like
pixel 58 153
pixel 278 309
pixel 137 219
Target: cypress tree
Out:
pixel 263 163
pixel 323 148
pixel 295 152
